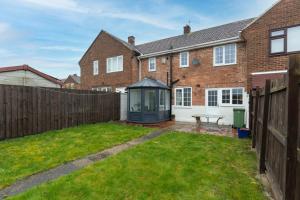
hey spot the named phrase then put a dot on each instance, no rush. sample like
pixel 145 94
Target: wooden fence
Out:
pixel 31 110
pixel 275 126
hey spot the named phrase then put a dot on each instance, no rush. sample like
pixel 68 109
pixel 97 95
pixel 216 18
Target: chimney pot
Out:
pixel 186 29
pixel 131 40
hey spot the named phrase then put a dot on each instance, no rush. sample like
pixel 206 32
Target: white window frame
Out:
pixel 115 70
pixel 180 57
pixel 149 64
pixel 102 89
pixel 121 90
pixel 206 97
pixel 95 67
pixel 183 106
pixel 220 103
pixel 224 55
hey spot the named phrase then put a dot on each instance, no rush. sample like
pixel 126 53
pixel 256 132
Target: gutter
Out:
pixel 197 46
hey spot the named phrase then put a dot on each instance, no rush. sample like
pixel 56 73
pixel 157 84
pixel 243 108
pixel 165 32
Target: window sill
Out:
pixel 232 105
pixel 221 65
pixel 183 66
pixel 114 72
pixel 182 107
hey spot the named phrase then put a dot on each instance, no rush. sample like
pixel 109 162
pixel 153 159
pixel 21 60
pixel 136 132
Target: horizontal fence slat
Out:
pixel 277 135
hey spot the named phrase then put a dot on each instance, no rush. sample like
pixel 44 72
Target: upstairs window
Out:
pixel 96 67
pixel 285 40
pixel 225 55
pixel 152 64
pixel 184 59
pixel 114 64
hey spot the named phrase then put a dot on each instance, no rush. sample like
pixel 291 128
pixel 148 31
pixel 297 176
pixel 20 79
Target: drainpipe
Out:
pixel 171 81
pixel 140 68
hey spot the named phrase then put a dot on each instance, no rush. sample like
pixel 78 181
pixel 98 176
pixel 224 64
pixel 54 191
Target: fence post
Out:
pixel 254 121
pixel 292 127
pixel 262 159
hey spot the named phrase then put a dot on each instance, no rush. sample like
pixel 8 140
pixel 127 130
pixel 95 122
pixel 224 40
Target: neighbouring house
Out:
pixel 270 39
pixel 72 82
pixel 209 71
pixel 27 76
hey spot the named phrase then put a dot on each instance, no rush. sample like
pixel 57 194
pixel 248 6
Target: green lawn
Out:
pixel 173 166
pixel 25 156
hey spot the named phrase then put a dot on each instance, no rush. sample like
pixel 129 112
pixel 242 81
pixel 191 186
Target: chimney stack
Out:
pixel 186 29
pixel 131 40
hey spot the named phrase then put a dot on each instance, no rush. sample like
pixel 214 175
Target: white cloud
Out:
pixel 69 5
pixel 6 31
pixel 62 48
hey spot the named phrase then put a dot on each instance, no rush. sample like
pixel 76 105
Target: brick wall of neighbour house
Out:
pixel 104 47
pixel 203 76
pixel 285 13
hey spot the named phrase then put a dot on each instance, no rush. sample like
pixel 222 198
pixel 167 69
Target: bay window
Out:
pixel 225 55
pixel 285 40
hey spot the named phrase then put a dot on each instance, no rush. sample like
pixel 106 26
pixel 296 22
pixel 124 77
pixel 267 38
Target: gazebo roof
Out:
pixel 148 83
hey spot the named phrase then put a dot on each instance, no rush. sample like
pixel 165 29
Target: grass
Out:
pixel 22 157
pixel 173 166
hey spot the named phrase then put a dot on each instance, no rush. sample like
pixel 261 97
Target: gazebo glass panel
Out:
pixel 150 100
pixel 167 99
pixel 162 100
pixel 135 100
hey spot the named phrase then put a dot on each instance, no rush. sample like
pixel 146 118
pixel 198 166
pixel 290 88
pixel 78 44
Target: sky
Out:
pixel 52 35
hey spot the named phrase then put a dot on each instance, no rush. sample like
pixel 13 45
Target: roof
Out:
pixel 28 68
pixel 223 32
pixel 126 44
pixel 148 83
pixel 75 78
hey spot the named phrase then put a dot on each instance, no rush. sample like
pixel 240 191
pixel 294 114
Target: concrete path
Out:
pixel 42 177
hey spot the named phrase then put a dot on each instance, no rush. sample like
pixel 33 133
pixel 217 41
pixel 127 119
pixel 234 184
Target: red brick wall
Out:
pixel 104 47
pixel 201 76
pixel 285 13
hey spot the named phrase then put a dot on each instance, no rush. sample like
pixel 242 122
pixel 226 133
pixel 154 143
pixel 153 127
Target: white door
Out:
pixel 212 104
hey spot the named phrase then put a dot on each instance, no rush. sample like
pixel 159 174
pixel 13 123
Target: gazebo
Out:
pixel 148 101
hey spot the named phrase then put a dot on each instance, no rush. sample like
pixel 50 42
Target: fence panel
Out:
pixel 276 132
pixel 32 110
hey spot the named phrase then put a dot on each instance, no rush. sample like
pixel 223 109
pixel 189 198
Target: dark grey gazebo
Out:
pixel 148 101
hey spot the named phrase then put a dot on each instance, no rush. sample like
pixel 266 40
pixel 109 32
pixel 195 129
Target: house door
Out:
pixel 212 104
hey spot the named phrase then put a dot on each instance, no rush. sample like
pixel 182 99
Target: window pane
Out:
pixel 219 55
pixel 95 67
pixel 237 96
pixel 152 64
pixel 162 100
pixel 226 96
pixel 230 52
pixel 135 100
pixel 178 97
pixel 277 33
pixel 212 98
pixel 150 100
pixel 293 39
pixel 277 45
pixel 167 99
pixel 187 96
pixel 184 59
pixel 120 63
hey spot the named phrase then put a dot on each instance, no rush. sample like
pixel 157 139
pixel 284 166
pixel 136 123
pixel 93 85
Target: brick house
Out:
pixel 270 39
pixel 209 71
pixel 72 82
